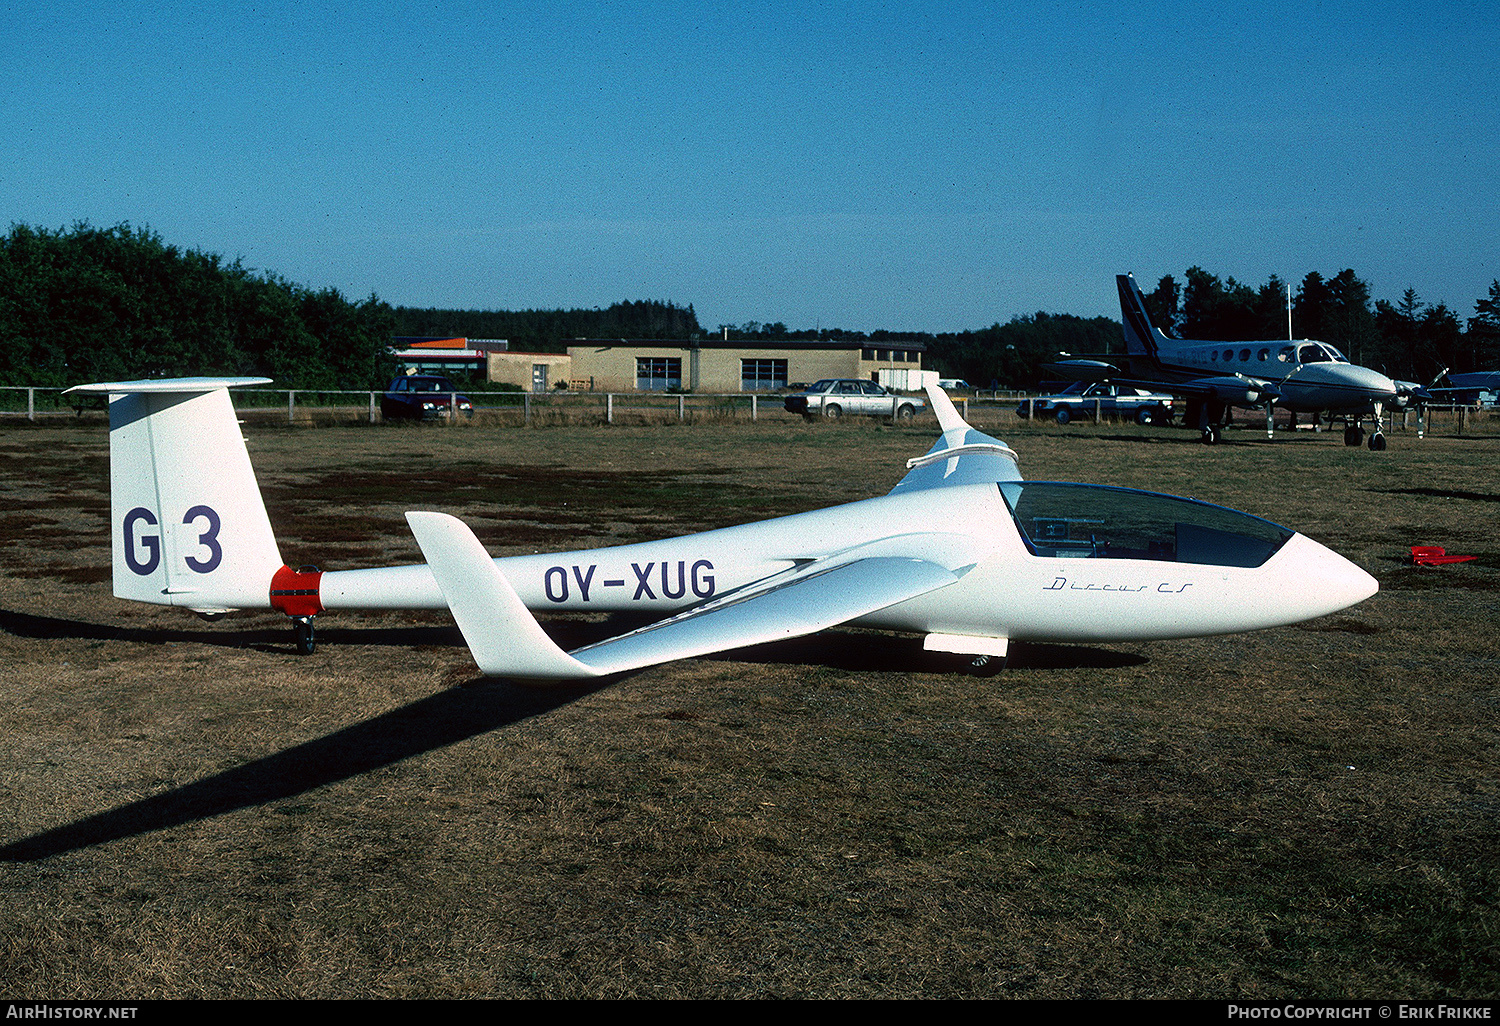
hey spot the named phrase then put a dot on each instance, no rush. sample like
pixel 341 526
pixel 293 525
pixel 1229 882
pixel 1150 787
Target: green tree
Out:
pixel 1163 305
pixel 90 304
pixel 1484 332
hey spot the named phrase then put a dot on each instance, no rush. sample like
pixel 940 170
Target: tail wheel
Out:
pixel 307 639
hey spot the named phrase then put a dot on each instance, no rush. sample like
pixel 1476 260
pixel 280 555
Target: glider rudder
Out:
pixel 187 524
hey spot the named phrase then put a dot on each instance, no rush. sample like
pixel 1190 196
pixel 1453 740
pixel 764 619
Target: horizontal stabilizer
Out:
pixel 173 386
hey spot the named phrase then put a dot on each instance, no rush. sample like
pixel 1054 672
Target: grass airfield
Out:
pixel 191 809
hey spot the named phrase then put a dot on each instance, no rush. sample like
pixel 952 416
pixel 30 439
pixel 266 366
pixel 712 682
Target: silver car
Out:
pixel 838 397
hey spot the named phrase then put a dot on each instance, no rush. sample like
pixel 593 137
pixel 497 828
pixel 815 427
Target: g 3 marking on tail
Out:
pixel 209 539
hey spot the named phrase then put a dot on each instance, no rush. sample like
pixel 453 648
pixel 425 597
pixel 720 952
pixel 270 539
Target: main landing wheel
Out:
pixel 1354 434
pixel 307 639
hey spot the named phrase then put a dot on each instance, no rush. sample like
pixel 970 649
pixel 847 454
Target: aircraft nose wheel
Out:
pixel 307 640
pixel 1377 442
pixel 1211 435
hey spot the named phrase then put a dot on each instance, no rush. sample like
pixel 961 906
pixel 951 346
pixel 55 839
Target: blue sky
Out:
pixel 911 167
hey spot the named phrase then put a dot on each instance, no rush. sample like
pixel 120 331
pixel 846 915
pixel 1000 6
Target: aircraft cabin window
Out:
pixel 1244 355
pixel 1229 354
pixel 1286 354
pixel 1263 355
pixel 1100 522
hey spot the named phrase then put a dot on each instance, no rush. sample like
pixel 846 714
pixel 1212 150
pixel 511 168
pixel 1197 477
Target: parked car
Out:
pixel 954 384
pixel 422 397
pixel 836 397
pixel 1079 398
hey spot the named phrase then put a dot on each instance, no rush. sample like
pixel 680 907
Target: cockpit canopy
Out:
pixel 1310 352
pixel 1096 521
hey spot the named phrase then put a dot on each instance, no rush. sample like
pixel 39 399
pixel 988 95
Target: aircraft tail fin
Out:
pixel 187 523
pixel 1142 338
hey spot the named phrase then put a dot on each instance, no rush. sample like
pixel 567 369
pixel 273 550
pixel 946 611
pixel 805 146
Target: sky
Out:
pixel 912 167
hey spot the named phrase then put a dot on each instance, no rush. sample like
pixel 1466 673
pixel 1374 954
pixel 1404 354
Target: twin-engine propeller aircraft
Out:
pixel 962 551
pixel 1304 377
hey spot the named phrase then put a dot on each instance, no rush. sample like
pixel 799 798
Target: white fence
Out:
pixel 292 406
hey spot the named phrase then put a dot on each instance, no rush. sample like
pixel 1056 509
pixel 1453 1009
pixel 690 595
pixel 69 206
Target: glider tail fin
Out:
pixel 187 524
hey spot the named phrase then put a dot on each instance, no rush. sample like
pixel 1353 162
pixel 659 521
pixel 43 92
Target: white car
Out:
pixel 837 397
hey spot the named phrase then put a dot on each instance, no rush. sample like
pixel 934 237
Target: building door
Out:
pixel 539 377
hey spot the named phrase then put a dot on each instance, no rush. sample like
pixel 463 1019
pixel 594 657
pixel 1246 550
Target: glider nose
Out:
pixel 1320 580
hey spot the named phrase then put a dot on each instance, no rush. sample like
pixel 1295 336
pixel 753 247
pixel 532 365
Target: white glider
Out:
pixel 962 551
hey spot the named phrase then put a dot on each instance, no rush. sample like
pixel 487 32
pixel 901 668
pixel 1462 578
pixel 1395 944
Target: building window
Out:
pixel 657 373
pixel 869 354
pixel 762 375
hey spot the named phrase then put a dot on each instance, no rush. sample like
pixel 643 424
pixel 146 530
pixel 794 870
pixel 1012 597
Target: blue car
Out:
pixel 423 397
pixel 1079 400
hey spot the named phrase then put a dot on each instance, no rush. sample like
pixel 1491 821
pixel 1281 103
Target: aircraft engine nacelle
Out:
pixel 1233 391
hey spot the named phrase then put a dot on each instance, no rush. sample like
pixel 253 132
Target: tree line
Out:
pixel 110 304
pixel 550 331
pixel 99 304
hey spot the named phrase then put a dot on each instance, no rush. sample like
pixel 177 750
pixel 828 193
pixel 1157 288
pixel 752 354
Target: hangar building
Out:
pixel 713 366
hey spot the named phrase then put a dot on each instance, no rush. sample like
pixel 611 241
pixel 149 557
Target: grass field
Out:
pixel 190 809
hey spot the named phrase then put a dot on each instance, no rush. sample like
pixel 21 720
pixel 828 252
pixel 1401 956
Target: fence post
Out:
pixel 291 404
pixel 526 415
pixel 1098 404
pixel 609 407
pixel 372 407
pixel 754 407
pixel 31 404
pixel 966 407
pixel 679 408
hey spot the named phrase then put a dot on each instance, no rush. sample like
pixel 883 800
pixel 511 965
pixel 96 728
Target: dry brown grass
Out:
pixel 191 809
